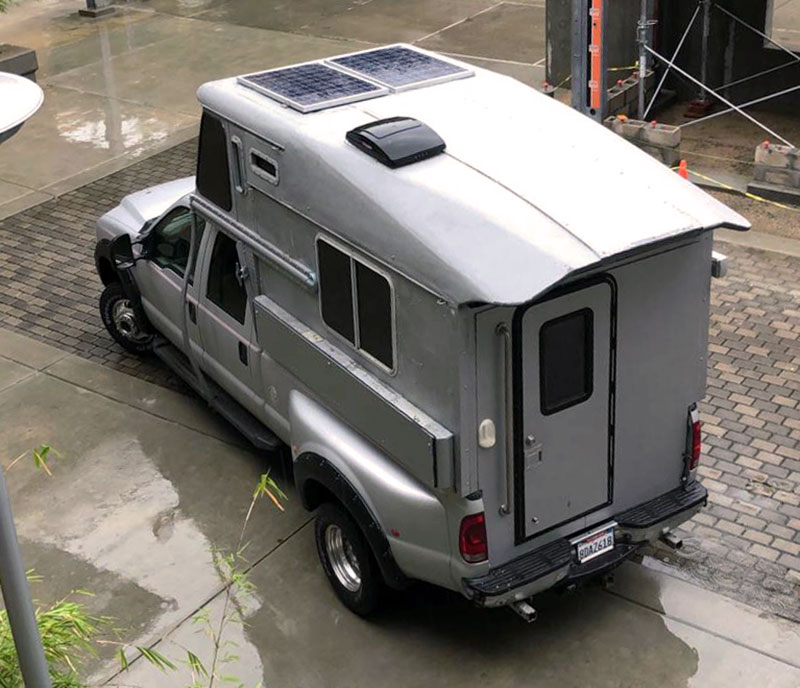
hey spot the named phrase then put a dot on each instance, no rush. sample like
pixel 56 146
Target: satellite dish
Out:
pixel 20 98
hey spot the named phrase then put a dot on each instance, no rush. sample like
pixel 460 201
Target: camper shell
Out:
pixel 483 339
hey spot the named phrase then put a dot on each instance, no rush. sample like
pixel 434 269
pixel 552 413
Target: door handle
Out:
pixel 192 312
pixel 243 353
pixel 532 452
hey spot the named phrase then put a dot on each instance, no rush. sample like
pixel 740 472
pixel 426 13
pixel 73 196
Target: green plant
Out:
pixel 234 571
pixel 69 633
pixel 67 629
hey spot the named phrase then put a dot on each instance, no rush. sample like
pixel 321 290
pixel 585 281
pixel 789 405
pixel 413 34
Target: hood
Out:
pixel 148 204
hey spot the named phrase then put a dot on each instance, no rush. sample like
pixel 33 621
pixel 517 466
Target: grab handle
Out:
pixel 508 402
pixel 238 166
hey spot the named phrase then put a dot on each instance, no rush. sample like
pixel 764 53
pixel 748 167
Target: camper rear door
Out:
pixel 564 457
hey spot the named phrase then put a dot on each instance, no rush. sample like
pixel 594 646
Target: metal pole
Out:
pixel 17 597
pixel 722 98
pixel 674 56
pixel 642 57
pixel 580 49
pixel 704 54
pixel 743 105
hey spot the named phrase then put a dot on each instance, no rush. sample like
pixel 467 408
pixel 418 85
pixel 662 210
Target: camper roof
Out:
pixel 526 192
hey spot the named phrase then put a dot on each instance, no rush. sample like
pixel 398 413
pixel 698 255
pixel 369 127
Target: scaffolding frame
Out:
pixel 707 5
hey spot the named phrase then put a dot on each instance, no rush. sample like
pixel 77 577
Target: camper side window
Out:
pixel 566 369
pixel 213 175
pixel 356 302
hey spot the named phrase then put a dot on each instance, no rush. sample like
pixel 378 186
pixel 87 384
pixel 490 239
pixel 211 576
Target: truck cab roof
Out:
pixel 526 192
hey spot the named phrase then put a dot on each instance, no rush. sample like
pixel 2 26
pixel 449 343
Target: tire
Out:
pixel 116 312
pixel 338 556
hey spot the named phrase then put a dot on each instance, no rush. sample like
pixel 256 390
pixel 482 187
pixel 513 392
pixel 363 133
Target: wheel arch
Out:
pixel 410 516
pixel 318 481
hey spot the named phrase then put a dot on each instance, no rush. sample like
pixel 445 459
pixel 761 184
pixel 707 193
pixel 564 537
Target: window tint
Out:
pixel 213 178
pixel 374 314
pixel 366 321
pixel 336 290
pixel 565 361
pixel 172 238
pixel 223 287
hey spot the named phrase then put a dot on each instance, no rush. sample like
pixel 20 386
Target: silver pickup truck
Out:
pixel 477 319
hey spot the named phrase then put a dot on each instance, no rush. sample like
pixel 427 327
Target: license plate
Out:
pixel 594 544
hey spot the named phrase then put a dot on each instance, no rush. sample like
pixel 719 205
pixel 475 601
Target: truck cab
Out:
pixel 414 274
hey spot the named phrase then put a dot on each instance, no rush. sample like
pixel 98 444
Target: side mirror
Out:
pixel 122 251
pixel 147 244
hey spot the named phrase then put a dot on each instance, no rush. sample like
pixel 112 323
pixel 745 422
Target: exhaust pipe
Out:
pixel 671 540
pixel 524 610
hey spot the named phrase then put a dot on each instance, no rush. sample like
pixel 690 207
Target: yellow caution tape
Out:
pixel 747 194
pixel 610 69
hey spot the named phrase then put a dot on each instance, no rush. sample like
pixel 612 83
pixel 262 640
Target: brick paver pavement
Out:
pixel 48 281
pixel 745 544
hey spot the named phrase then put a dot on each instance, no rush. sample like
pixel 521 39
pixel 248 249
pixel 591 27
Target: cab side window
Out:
pixel 224 288
pixel 172 240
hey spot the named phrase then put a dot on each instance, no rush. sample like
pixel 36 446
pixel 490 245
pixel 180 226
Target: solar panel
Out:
pixel 400 67
pixel 311 86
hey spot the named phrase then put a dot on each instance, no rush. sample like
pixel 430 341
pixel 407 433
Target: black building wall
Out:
pixel 734 51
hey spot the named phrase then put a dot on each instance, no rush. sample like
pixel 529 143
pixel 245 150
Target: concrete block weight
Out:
pixel 776 173
pixel 662 141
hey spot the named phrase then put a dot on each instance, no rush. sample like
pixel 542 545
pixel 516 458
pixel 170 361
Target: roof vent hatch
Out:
pixel 397 141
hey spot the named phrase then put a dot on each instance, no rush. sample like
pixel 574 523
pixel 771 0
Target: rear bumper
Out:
pixel 555 563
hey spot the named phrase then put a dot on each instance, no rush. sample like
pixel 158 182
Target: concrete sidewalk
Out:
pixel 149 482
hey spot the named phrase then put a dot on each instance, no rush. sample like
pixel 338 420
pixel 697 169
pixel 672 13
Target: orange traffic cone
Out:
pixel 683 169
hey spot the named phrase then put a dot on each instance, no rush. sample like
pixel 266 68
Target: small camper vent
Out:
pixel 397 141
pixel 400 67
pixel 312 86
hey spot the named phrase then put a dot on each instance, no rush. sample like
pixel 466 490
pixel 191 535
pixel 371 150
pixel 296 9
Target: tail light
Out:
pixel 472 539
pixel 697 440
pixel 694 441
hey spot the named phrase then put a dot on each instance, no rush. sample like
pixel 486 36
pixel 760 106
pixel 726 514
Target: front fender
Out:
pixel 407 513
pixel 104 263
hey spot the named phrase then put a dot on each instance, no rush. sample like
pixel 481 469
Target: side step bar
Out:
pixel 218 399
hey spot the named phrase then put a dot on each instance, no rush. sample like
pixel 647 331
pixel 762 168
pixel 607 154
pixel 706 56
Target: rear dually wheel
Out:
pixel 347 560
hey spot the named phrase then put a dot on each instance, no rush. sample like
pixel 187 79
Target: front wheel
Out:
pixel 347 560
pixel 122 322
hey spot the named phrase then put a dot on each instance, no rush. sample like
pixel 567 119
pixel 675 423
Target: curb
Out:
pixel 760 241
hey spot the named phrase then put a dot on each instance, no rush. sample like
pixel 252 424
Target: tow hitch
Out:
pixel 524 609
pixel 671 540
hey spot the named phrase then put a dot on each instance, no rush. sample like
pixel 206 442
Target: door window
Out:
pixel 566 361
pixel 172 240
pixel 224 286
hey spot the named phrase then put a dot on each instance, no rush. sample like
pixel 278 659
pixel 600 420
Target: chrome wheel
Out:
pixel 342 558
pixel 125 321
